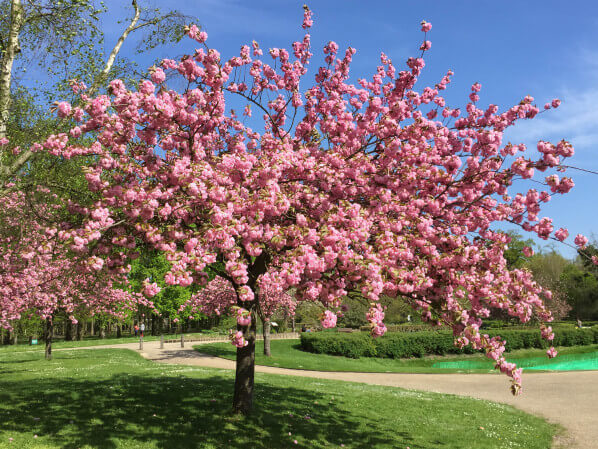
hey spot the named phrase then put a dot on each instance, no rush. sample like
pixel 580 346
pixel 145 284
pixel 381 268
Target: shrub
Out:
pixel 396 345
pixel 353 345
pixel 407 328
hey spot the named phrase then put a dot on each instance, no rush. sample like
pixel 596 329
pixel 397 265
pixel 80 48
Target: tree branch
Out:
pixel 110 62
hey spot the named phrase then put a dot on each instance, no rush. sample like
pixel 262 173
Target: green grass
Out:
pixel 287 354
pixel 114 399
pixel 97 341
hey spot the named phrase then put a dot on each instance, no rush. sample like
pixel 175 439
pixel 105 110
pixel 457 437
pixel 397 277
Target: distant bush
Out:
pixel 396 345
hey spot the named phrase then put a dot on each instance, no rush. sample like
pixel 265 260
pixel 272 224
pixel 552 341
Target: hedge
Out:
pixel 396 345
pixel 406 328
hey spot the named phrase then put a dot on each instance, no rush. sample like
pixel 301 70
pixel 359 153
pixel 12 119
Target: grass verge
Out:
pixel 97 341
pixel 287 354
pixel 115 399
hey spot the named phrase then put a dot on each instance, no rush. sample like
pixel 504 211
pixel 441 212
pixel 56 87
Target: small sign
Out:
pixel 33 342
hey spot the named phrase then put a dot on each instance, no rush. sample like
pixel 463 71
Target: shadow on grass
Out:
pixel 181 413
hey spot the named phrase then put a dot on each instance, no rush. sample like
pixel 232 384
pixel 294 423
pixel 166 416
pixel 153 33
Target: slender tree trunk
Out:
pixel 245 373
pixel 102 76
pixel 92 333
pixel 293 323
pixel 119 331
pixel 68 330
pixel 11 49
pixel 49 333
pixel 266 335
pixel 78 331
pixel 102 331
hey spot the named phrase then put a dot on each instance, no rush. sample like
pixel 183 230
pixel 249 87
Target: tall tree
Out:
pixel 64 37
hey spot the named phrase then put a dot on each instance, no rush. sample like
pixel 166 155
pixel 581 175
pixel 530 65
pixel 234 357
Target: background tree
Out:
pixel 65 39
pixel 580 281
pixel 548 268
pixel 152 266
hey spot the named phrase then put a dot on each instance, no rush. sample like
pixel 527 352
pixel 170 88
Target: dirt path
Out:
pixel 567 398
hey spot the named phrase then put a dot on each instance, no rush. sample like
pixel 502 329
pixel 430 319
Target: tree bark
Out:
pixel 92 333
pixel 78 331
pixel 266 335
pixel 48 334
pixel 245 373
pixel 102 331
pixel 10 51
pixel 68 330
pixel 119 331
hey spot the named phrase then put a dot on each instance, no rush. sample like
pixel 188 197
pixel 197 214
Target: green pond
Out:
pixel 571 362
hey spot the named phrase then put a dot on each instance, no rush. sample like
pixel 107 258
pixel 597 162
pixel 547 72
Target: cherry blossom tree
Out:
pixel 373 186
pixel 38 276
pixel 219 295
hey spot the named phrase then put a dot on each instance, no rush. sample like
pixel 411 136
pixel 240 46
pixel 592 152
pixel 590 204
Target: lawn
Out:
pixel 115 399
pixel 287 354
pixel 97 341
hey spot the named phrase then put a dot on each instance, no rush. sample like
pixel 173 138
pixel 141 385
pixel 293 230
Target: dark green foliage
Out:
pixel 395 345
pixel 406 328
pixel 581 284
pixel 353 345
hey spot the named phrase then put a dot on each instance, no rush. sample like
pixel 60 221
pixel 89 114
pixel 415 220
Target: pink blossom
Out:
pixel 581 240
pixel 158 76
pixel 561 234
pixel 243 317
pixel 328 319
pixel 238 339
pixel 64 109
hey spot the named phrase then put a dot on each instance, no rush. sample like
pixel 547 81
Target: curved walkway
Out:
pixel 566 398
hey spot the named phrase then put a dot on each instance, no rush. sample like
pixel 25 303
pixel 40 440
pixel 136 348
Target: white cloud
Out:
pixel 576 120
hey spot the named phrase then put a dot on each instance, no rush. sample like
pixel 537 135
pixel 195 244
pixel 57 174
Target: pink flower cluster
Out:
pixel 375 317
pixel 243 317
pixel 328 319
pixel 238 340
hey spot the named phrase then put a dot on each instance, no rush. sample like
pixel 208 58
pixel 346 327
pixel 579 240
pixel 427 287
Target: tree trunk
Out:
pixel 78 331
pixel 266 335
pixel 119 331
pixel 245 373
pixel 48 334
pixel 102 331
pixel 68 330
pixel 293 323
pixel 92 333
pixel 10 52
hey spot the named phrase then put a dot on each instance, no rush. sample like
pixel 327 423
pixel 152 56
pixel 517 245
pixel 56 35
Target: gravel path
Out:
pixel 567 398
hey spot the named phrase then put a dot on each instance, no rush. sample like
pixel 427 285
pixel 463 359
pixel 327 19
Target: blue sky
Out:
pixel 545 49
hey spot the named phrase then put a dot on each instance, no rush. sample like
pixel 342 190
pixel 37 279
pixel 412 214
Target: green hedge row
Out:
pixel 395 345
pixel 406 328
